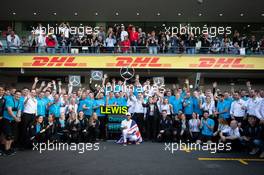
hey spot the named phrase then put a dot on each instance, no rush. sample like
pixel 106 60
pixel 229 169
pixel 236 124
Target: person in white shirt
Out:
pixel 208 105
pixel 138 110
pixel 163 104
pixel 13 42
pixel 194 127
pixel 123 33
pixel 231 135
pixel 238 108
pixel 128 133
pixel 252 103
pixel 29 114
pixel 41 44
pixel 259 111
pixel 110 43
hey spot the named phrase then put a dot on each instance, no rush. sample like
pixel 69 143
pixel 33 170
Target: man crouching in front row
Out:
pixel 130 131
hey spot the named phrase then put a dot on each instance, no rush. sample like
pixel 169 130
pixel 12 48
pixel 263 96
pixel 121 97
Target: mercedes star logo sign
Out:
pixel 127 72
pixel 97 75
pixel 74 80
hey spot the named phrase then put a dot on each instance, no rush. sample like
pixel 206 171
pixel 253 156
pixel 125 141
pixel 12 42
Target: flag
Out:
pixel 133 130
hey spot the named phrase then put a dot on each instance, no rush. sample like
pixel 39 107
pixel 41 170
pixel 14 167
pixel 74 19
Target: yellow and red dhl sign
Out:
pixel 149 62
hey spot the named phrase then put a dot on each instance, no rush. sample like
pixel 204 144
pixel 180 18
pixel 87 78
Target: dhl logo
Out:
pixel 221 63
pixel 64 61
pixel 125 61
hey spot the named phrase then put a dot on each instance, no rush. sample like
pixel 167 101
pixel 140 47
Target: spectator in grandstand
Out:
pixel 101 33
pixel 141 39
pixel 225 44
pixel 13 42
pixel 181 47
pixel 205 44
pixel 41 42
pixel 123 33
pixel 216 46
pixel 63 43
pixel 252 137
pixel 163 43
pixel 234 49
pixel 165 128
pixel 110 43
pixel 236 38
pixel 64 29
pixel 174 43
pixel 125 45
pixel 133 37
pixel 2 49
pixel 207 128
pixel 191 44
pixel 261 46
pixel 24 45
pixel 51 43
pixel 252 45
pixel 152 43
pixel 33 41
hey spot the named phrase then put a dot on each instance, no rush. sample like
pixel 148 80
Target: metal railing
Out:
pixel 131 49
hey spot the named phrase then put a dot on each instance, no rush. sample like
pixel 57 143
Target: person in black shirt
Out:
pixel 84 126
pixel 205 44
pixel 152 119
pixel 74 127
pixel 191 44
pixel 37 130
pixel 252 136
pixel 94 131
pixel 252 45
pixel 2 106
pixel 165 128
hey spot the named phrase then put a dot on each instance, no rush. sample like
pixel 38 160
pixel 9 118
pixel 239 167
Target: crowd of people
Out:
pixel 62 113
pixel 129 39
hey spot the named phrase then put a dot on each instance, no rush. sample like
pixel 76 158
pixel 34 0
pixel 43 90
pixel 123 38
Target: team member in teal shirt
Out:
pixel 54 108
pixel 223 108
pixel 177 104
pixel 41 105
pixel 11 116
pixel 100 101
pixel 188 106
pixel 207 128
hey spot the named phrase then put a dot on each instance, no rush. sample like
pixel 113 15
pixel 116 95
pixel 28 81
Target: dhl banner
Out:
pixel 141 62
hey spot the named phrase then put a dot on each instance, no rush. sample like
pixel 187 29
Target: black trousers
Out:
pixel 102 127
pixel 152 127
pixel 139 119
pixel 26 119
pixel 93 133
